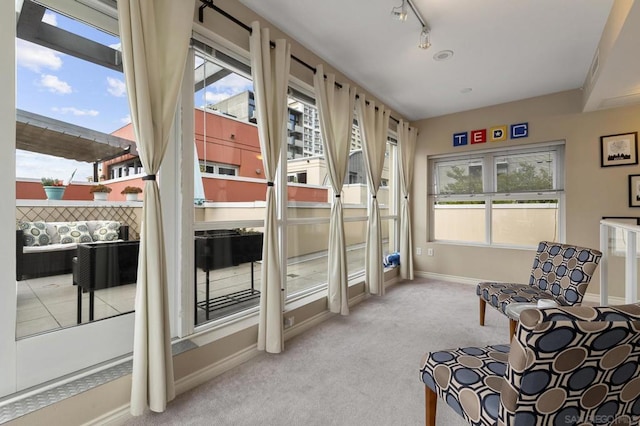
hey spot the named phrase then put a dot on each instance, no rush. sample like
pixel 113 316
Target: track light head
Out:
pixel 425 38
pixel 400 12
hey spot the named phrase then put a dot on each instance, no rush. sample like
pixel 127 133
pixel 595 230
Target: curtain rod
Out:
pixel 209 3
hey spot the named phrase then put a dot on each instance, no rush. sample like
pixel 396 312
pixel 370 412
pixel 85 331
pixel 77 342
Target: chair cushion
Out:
pixel 469 380
pixel 500 295
pixel 563 271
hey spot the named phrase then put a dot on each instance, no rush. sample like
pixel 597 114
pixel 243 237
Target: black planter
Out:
pixel 225 248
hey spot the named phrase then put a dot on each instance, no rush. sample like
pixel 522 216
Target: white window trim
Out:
pixel 489 172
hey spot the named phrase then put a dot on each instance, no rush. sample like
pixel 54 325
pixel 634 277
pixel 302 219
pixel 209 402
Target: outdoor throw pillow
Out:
pixel 106 231
pixel 74 232
pixel 35 234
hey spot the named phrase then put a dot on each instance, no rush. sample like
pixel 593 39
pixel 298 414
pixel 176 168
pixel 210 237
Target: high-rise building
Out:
pixel 304 138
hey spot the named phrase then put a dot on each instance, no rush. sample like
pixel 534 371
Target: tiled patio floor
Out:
pixel 50 303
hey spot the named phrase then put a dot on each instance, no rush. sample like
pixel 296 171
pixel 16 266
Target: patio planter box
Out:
pixel 54 258
pixel 224 248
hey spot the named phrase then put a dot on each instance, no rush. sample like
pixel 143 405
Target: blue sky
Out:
pixel 60 86
pixel 72 90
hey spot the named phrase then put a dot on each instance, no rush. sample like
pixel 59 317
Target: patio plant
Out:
pixel 131 190
pixel 100 188
pixel 51 182
pixel 100 192
pixel 54 188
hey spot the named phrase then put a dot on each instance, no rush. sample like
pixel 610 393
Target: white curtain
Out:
pixel 335 106
pixel 270 71
pixel 155 40
pixel 374 122
pixel 407 137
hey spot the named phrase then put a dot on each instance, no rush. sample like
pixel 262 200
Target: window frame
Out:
pixel 35 359
pixel 489 183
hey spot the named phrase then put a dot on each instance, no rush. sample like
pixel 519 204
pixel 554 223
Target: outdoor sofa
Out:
pixel 47 248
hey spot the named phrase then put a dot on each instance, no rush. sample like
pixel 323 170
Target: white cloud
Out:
pixel 126 120
pixel 54 84
pixel 116 87
pixel 234 83
pixel 50 18
pixel 214 98
pixel 225 88
pixel 36 166
pixel 36 57
pixel 76 111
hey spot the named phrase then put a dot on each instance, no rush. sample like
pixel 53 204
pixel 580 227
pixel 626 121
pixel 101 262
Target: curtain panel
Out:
pixel 374 123
pixel 154 61
pixel 270 72
pixel 335 107
pixel 407 137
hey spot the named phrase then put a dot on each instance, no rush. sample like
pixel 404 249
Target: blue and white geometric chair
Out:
pixel 573 365
pixel 561 272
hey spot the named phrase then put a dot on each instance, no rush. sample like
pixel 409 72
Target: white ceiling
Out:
pixel 504 50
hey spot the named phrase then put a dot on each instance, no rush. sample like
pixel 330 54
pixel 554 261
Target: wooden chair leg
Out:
pixel 512 328
pixel 430 400
pixel 483 307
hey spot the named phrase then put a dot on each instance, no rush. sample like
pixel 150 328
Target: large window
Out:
pixel 509 197
pixel 65 89
pixel 71 109
pixel 230 184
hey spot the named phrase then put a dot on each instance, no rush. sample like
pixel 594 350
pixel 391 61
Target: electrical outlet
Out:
pixel 289 321
pixel 429 252
pixel 419 251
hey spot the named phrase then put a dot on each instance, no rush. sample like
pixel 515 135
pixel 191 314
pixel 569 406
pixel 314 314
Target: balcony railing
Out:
pixel 619 265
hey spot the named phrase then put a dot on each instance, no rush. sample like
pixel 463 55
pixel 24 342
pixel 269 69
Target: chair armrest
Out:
pixel 531 318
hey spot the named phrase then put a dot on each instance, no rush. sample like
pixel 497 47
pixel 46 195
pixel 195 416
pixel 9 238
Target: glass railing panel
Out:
pixel 619 238
pixel 306 257
pixel 463 221
pixel 356 237
pixel 524 222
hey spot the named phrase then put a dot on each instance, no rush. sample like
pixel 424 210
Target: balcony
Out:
pixel 295 142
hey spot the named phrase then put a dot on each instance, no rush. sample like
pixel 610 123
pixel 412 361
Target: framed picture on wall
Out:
pixel 634 190
pixel 619 150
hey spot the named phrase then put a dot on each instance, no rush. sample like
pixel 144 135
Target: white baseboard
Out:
pixel 595 298
pixel 451 278
pixel 211 371
pixel 116 417
pixel 306 324
pixel 589 297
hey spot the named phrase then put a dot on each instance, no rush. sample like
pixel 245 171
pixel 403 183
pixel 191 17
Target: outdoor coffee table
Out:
pixel 104 265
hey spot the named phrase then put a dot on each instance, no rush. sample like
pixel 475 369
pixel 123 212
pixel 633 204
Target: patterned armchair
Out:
pixel 560 272
pixel 566 366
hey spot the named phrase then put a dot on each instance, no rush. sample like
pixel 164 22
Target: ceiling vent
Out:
pixel 595 64
pixel 618 101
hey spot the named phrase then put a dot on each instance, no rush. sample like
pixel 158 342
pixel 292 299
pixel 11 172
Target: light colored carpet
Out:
pixel 356 370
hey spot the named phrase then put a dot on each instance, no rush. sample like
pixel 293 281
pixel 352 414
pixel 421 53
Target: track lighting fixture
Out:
pixel 400 12
pixel 425 38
